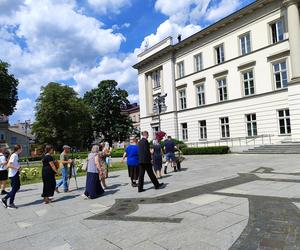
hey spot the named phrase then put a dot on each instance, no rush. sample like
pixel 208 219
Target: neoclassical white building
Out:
pixel 235 81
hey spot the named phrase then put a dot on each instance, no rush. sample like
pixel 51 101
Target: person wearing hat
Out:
pixel 65 162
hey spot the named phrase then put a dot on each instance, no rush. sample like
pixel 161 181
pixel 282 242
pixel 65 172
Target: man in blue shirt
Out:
pixel 170 147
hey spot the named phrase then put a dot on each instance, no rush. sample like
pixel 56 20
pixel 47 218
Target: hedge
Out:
pixel 179 144
pixel 205 150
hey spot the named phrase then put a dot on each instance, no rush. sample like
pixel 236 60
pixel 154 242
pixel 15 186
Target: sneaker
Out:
pixel 12 206
pixel 4 202
pixel 3 192
pixel 142 190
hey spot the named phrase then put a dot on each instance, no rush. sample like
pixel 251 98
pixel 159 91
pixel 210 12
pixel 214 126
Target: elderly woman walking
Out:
pixel 93 187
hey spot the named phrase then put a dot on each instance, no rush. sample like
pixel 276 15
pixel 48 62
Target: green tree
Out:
pixel 106 102
pixel 8 90
pixel 62 117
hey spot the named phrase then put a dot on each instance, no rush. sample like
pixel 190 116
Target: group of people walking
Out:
pixel 141 158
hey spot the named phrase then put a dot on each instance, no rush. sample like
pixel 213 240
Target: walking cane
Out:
pixel 73 171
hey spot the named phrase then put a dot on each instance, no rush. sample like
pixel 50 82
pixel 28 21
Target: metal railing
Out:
pixel 235 141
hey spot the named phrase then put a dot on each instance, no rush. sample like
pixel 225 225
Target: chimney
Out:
pixel 179 38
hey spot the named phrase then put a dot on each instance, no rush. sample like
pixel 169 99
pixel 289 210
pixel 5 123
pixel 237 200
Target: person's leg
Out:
pixel 15 187
pixel 64 172
pixel 152 176
pixel 103 181
pixel 141 178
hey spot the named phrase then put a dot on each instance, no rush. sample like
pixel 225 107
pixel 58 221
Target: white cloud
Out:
pixel 112 68
pixel 25 110
pixel 222 9
pixel 106 6
pixel 54 49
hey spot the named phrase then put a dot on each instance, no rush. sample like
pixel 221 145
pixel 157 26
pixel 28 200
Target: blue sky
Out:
pixel 81 42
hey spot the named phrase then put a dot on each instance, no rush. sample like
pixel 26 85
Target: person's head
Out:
pixel 169 137
pixel 95 149
pixel 66 149
pixel 145 134
pixel 17 149
pixel 48 149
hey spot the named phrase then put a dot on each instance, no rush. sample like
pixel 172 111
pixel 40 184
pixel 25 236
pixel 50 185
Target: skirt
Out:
pixel 93 187
pixel 133 172
pixel 3 175
pixel 49 184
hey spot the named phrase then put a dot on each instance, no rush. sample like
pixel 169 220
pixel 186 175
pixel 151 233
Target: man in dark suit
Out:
pixel 145 163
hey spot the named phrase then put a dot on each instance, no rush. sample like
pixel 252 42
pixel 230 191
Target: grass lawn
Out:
pixel 34 174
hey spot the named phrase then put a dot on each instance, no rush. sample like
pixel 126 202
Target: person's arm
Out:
pixel 124 156
pixel 98 166
pixel 52 165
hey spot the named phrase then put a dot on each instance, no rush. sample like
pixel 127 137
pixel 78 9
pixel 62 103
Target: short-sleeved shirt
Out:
pixel 14 160
pixel 2 161
pixel 170 146
pixel 132 152
pixel 64 157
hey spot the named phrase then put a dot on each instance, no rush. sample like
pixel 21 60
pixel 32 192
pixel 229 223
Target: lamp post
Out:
pixel 159 106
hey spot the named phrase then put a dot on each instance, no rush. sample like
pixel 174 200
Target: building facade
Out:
pixel 133 111
pixel 235 81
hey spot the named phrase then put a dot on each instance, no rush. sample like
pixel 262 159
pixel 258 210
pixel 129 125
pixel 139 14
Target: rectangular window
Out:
pixel 220 56
pixel 154 131
pixel 251 124
pixel 182 99
pixel 245 44
pixel 222 89
pixel 156 78
pixel 277 29
pixel 2 137
pixel 198 62
pixel 284 121
pixel 280 75
pixel 248 82
pixel 225 132
pixel 202 130
pixel 184 130
pixel 180 69
pixel 200 94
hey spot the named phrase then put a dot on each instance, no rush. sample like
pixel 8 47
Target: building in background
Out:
pixel 133 111
pixel 11 136
pixel 236 81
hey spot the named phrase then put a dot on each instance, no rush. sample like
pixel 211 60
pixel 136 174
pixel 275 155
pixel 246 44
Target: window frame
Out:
pixel 226 126
pixel 180 71
pixel 180 98
pixel 184 132
pixel 196 62
pixel 156 72
pixel 277 35
pixel 218 89
pixel 243 82
pixel 280 61
pixel 251 122
pixel 200 127
pixel 240 43
pixel 203 93
pixel 216 54
pixel 284 118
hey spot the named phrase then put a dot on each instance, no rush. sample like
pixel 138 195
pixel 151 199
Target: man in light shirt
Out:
pixel 65 163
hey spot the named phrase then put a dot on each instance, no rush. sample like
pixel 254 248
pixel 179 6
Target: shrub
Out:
pixel 205 150
pixel 116 153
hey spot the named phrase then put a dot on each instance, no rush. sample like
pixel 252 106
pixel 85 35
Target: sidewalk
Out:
pixel 206 206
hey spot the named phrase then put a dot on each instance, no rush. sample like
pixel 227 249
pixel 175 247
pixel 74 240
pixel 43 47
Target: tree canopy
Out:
pixel 8 90
pixel 105 103
pixel 62 117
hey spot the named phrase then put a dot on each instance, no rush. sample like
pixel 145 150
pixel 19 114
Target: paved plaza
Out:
pixel 216 202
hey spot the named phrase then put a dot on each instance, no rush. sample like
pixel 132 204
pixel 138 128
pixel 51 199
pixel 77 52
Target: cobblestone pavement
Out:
pixel 216 202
